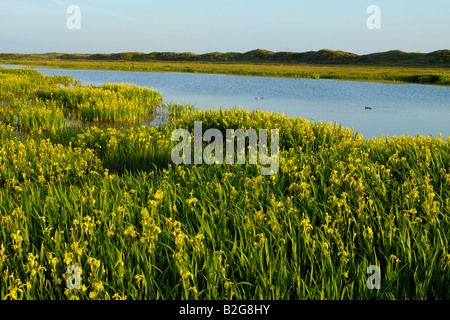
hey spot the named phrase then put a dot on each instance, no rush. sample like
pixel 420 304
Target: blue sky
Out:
pixel 200 26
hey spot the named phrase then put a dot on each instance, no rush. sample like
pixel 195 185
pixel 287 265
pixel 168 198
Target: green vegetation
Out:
pixel 25 81
pixel 33 115
pixel 440 58
pixel 110 202
pixel 108 102
pixel 178 109
pixel 46 101
pixel 391 66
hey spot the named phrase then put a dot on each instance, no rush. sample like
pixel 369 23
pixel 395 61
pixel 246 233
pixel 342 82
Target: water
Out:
pixel 397 109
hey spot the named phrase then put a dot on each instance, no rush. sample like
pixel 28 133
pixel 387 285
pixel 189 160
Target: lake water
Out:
pixel 397 109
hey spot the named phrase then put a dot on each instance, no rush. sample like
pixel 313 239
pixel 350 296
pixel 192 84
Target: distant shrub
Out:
pixel 429 78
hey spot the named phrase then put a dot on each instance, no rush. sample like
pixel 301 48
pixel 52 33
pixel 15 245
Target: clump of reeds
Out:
pixel 108 102
pixel 33 114
pixel 178 109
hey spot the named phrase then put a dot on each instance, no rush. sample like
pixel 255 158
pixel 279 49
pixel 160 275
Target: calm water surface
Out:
pixel 397 109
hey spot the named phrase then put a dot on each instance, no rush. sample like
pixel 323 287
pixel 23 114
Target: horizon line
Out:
pixel 220 52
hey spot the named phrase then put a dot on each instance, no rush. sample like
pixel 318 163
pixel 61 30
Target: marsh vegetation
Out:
pixel 110 201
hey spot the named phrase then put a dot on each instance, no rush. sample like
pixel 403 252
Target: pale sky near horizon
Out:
pixel 200 26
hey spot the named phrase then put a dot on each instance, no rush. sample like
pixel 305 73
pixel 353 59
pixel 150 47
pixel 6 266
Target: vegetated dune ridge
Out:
pixel 390 58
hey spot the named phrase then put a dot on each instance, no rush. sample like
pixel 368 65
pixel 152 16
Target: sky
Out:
pixel 201 26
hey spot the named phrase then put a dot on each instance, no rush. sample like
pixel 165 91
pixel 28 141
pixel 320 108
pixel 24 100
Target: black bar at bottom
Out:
pixel 211 309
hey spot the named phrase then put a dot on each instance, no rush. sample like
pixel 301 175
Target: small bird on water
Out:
pixel 257 98
pixel 368 108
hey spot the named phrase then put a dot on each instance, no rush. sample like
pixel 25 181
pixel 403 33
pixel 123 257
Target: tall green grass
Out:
pixel 14 81
pixel 178 109
pixel 33 115
pixel 47 102
pixel 107 103
pixel 140 228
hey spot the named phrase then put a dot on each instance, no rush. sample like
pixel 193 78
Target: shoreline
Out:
pixel 398 75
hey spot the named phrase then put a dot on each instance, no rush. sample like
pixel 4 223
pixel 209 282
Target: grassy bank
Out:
pixel 111 203
pixel 35 102
pixel 391 74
